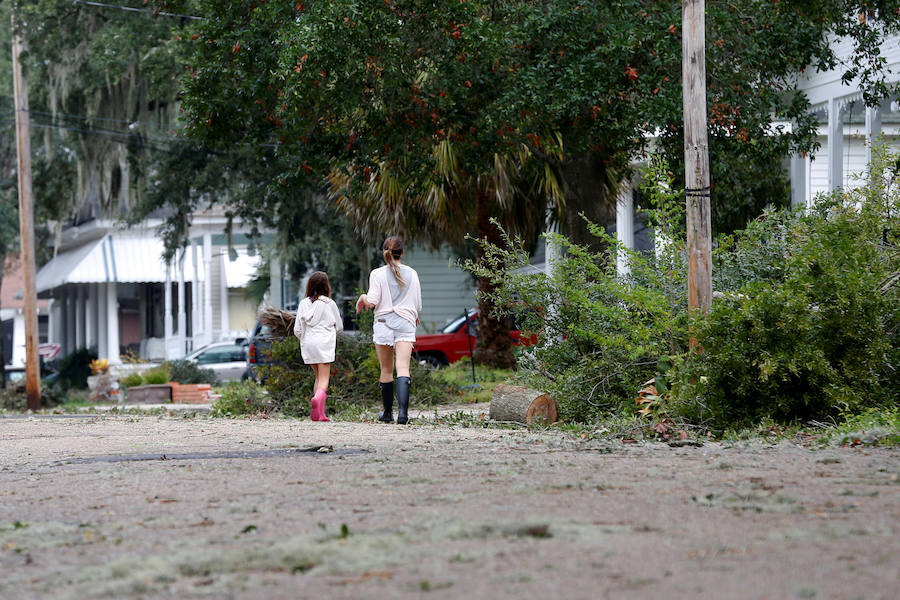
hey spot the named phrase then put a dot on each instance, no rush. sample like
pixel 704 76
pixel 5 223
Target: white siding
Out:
pixel 853 163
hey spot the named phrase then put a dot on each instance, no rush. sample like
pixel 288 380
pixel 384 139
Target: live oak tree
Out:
pixel 368 94
pixel 281 96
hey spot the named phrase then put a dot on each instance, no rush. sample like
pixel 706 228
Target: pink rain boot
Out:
pixel 317 408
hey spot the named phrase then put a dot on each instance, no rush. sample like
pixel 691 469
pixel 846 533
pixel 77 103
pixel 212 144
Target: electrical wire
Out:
pixel 125 136
pixel 79 117
pixel 133 9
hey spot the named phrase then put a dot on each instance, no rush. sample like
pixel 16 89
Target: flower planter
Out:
pixel 190 393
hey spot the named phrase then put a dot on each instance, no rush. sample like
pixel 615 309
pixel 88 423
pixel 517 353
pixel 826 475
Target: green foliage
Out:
pixel 459 375
pixel 14 398
pixel 370 94
pixel 872 427
pixel 599 335
pixel 240 398
pixel 354 378
pixel 131 380
pixel 185 371
pixel 156 375
pixel 809 329
pixel 75 368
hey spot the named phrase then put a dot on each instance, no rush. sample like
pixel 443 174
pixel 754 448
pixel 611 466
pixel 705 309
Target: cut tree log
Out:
pixel 521 405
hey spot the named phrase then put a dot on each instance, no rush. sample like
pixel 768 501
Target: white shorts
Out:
pixel 392 328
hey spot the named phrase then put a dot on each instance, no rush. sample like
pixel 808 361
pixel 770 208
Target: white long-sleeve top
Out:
pixel 405 301
pixel 317 325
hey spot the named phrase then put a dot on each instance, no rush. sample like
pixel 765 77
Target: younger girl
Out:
pixel 317 324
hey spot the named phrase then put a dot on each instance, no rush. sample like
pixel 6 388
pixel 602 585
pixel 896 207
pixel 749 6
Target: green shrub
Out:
pixel 13 396
pixel 807 325
pixel 131 380
pixel 354 377
pixel 599 335
pixel 185 371
pixel 156 375
pixel 240 398
pixel 75 368
pixel 814 334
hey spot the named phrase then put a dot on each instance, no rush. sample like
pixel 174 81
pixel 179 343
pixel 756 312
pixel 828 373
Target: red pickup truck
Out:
pixel 453 342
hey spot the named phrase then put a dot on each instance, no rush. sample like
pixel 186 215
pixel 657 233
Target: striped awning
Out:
pixel 116 257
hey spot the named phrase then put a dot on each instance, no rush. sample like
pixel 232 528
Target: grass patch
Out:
pixel 459 375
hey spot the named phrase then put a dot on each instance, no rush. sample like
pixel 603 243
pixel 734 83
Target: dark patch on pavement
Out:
pixel 310 451
pixel 60 416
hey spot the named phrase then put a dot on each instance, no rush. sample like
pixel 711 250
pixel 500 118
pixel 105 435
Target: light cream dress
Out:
pixel 317 325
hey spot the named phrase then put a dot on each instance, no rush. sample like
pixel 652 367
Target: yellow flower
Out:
pixel 99 365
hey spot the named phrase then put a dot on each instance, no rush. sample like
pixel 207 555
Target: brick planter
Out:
pixel 190 393
pixel 155 393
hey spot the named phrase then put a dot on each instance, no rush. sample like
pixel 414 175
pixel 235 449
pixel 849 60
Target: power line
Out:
pixel 133 9
pixel 125 136
pixel 80 117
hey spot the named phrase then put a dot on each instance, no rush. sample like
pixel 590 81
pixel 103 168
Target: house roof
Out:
pixel 115 257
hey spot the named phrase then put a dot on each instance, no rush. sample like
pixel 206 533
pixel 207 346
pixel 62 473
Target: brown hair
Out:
pixel 318 285
pixel 393 250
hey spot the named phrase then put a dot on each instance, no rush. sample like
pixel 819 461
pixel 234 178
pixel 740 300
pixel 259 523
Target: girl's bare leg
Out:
pixel 403 351
pixel 386 382
pixel 323 375
pixel 315 369
pixel 386 360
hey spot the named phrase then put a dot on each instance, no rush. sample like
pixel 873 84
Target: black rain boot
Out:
pixel 402 400
pixel 387 401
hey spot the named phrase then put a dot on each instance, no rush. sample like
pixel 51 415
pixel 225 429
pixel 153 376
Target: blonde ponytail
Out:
pixel 392 250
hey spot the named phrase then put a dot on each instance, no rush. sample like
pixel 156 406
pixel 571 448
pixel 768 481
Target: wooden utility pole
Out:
pixel 696 156
pixel 26 224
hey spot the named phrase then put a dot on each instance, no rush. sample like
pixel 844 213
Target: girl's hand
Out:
pixel 362 303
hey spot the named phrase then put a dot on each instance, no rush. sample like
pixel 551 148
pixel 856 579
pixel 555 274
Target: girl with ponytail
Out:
pixel 395 295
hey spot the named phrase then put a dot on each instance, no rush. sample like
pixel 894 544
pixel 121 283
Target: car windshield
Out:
pixel 455 323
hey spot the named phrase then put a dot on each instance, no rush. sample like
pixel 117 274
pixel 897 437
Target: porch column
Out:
pixel 112 323
pixel 207 288
pixel 80 334
pixel 90 316
pixel 624 227
pixel 59 319
pixel 276 291
pixel 835 145
pixel 223 291
pixel 71 341
pixel 167 313
pixel 51 320
pixel 182 313
pixel 798 178
pixel 102 321
pixel 196 328
pixel 873 130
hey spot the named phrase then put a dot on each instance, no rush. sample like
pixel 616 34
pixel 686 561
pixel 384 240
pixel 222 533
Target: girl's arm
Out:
pixel 371 298
pixel 338 320
pixel 299 325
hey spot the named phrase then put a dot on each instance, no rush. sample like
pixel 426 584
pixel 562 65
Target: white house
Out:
pixel 848 128
pixel 12 316
pixel 109 289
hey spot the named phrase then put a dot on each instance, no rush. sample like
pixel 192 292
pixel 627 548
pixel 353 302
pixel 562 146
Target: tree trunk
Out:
pixel 494 346
pixel 521 405
pixel 587 183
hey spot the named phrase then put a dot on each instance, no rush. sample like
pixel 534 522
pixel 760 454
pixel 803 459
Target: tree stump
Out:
pixel 521 405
